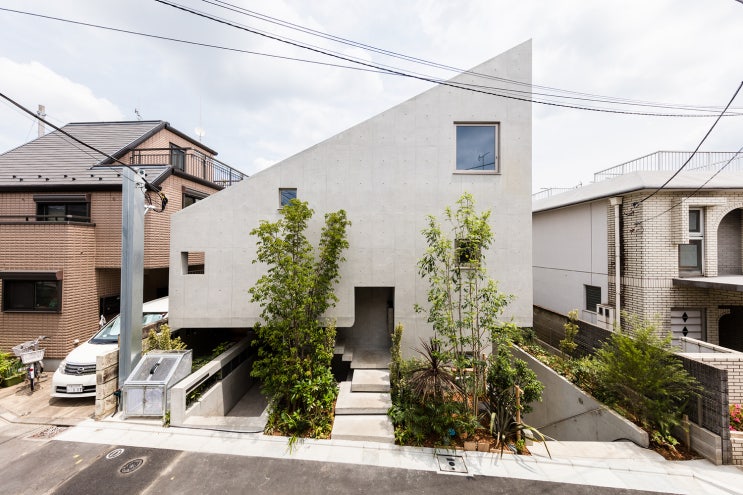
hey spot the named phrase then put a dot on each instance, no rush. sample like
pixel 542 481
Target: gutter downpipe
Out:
pixel 616 202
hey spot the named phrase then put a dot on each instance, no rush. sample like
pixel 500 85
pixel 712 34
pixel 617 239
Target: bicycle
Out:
pixel 32 358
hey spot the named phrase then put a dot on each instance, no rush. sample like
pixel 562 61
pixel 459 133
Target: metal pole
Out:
pixel 132 271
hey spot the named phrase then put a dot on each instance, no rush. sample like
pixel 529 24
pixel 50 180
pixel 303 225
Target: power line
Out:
pixel 409 75
pixel 148 185
pixel 379 68
pixel 695 191
pixel 635 204
pixel 382 51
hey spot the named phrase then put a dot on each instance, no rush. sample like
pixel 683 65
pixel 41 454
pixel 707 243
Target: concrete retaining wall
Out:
pixel 567 413
pixel 220 398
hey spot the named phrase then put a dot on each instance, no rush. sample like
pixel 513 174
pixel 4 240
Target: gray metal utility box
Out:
pixel 147 390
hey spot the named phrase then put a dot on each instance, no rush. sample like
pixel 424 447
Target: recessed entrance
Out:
pixel 731 329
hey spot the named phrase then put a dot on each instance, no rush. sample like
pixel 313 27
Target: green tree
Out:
pixel 464 303
pixel 638 372
pixel 295 343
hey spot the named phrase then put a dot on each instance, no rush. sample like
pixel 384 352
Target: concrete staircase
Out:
pixel 361 408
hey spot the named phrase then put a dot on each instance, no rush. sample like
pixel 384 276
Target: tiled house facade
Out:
pixel 680 257
pixel 60 224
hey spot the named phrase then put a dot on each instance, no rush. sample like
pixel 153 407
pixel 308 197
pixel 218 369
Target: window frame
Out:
pixel 32 279
pixel 281 196
pixel 587 288
pixel 178 152
pixel 696 238
pixel 197 196
pixel 496 148
pixel 64 201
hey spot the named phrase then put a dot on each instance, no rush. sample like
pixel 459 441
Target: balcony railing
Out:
pixel 548 192
pixel 44 219
pixel 708 161
pixel 191 162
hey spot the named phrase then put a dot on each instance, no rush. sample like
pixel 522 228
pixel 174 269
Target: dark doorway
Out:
pixel 731 329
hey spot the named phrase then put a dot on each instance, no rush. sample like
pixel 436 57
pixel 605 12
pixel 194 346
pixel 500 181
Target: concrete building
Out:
pixel 388 173
pixel 630 242
pixel 60 223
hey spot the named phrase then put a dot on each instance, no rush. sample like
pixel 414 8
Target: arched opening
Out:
pixel 731 329
pixel 729 245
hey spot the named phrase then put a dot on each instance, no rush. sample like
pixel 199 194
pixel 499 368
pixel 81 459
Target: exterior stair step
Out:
pixel 371 359
pixel 367 428
pixel 361 402
pixel 373 380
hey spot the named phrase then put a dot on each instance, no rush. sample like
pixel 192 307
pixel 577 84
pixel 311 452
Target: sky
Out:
pixel 256 110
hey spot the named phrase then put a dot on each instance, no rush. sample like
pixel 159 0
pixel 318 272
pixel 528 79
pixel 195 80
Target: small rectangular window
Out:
pixel 477 148
pixel 467 252
pixel 32 295
pixel 695 221
pixel 191 196
pixel 62 208
pixel 193 262
pixel 286 195
pixel 177 157
pixel 691 255
pixel 593 297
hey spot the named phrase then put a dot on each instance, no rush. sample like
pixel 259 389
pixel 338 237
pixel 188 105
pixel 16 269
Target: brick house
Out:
pixel 60 223
pixel 679 251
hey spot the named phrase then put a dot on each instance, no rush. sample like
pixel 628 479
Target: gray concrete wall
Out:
pixel 570 252
pixel 220 398
pixel 388 173
pixel 567 413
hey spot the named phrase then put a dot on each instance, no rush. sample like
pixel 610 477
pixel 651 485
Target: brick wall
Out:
pixel 736 438
pixel 651 232
pixel 52 247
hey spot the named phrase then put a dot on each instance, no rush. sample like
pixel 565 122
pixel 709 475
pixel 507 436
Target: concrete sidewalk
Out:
pixel 615 465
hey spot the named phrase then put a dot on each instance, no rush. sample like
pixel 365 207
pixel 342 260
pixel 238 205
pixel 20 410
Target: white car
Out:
pixel 75 376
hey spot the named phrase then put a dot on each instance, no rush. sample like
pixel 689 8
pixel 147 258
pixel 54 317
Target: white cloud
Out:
pixel 32 84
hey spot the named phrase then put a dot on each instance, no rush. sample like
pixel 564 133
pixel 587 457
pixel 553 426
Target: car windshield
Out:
pixel 109 334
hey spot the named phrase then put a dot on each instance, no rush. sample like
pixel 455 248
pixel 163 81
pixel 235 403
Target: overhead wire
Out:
pixel 148 186
pixel 695 191
pixel 390 53
pixel 637 203
pixel 410 75
pixel 388 70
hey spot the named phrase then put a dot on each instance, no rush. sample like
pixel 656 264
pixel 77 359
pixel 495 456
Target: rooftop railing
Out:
pixel 189 161
pixel 707 161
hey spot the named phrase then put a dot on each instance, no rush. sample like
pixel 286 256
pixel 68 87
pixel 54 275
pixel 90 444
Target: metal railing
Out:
pixel 707 161
pixel 43 219
pixel 189 161
pixel 548 192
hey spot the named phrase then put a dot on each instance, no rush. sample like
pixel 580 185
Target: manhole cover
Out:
pixel 451 463
pixel 48 432
pixel 114 453
pixel 131 466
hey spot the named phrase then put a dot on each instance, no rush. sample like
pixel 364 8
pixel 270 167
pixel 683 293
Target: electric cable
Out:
pixel 148 185
pixel 637 203
pixel 409 58
pixel 413 76
pixel 387 70
pixel 695 191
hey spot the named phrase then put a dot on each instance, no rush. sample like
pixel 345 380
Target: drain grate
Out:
pixel 114 454
pixel 451 463
pixel 48 432
pixel 131 466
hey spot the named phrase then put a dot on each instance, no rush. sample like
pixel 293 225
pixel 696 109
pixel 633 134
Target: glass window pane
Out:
pixel 18 294
pixel 79 210
pixel 47 295
pixel 695 220
pixel 476 147
pixel 286 195
pixel 690 255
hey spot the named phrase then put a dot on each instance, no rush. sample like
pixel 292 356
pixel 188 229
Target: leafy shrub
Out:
pixel 640 374
pixel 162 340
pixel 395 359
pixel 9 365
pixel 568 345
pixel 736 417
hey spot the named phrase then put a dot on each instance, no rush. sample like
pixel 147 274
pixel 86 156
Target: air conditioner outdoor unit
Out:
pixel 605 316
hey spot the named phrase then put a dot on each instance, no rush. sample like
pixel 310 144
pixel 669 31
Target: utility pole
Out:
pixel 42 114
pixel 132 271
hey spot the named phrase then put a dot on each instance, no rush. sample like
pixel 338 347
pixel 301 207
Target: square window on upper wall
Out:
pixel 477 148
pixel 286 195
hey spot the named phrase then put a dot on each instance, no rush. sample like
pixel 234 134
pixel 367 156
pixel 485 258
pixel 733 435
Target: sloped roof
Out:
pixel 55 159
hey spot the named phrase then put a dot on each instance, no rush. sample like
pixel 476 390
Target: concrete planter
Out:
pixel 12 380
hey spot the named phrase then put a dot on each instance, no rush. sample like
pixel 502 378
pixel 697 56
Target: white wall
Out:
pixel 570 251
pixel 388 173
